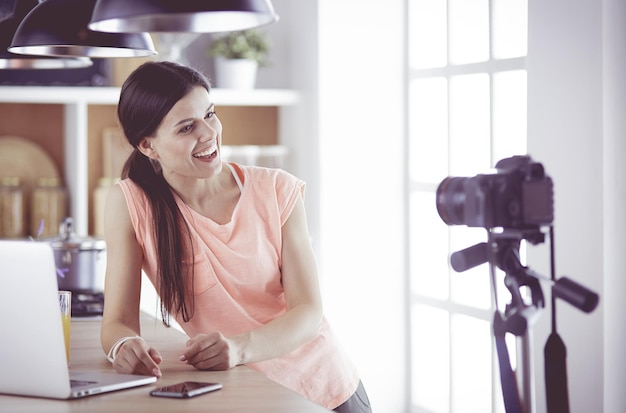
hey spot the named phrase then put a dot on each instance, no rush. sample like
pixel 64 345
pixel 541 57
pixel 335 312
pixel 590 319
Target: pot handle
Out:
pixel 66 228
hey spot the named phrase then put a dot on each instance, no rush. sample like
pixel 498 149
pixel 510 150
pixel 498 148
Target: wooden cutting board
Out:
pixel 26 160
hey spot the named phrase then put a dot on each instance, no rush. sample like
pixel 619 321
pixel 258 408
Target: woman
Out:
pixel 226 246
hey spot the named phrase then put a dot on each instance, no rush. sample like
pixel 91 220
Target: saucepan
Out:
pixel 80 261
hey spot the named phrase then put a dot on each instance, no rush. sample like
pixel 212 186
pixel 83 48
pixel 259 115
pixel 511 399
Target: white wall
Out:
pixel 344 57
pixel 576 129
pixel 614 60
pixel 361 121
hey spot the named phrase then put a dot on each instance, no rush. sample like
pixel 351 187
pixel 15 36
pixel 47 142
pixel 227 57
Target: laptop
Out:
pixel 32 346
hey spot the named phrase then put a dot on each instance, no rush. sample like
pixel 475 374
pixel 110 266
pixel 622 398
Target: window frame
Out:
pixel 491 67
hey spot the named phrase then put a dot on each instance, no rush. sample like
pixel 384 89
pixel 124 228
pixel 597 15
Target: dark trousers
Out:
pixel 357 403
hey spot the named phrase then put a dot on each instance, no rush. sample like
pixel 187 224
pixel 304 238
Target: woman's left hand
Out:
pixel 211 352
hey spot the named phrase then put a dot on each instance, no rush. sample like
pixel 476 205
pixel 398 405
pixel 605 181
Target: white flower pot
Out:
pixel 235 73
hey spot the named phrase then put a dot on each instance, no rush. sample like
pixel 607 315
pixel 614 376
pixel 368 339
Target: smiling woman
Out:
pixel 226 246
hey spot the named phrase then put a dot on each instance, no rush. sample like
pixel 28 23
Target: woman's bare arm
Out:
pixel 123 291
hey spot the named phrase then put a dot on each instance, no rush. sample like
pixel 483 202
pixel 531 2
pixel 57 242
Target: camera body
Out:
pixel 518 196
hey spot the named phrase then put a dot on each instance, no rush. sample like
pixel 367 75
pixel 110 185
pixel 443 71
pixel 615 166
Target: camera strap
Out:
pixel 555 355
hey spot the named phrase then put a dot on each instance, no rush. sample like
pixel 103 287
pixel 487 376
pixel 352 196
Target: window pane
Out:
pixel 427 34
pixel 469 31
pixel 509 114
pixel 428 126
pixel 470 141
pixel 431 358
pixel 428 253
pixel 510 28
pixel 471 364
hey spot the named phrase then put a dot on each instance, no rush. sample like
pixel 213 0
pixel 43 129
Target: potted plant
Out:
pixel 238 55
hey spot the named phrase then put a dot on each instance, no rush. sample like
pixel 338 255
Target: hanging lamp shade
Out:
pixel 12 15
pixel 59 28
pixel 195 16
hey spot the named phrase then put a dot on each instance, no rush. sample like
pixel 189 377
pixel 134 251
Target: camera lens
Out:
pixel 451 200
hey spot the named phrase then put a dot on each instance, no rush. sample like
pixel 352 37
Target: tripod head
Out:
pixel 502 251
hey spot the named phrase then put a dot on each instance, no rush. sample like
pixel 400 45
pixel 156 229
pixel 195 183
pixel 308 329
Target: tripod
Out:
pixel 502 251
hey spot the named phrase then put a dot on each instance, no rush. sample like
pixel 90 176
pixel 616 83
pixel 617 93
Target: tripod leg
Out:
pixel 510 391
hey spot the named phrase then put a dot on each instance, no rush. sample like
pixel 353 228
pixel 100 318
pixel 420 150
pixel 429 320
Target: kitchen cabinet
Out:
pixel 68 122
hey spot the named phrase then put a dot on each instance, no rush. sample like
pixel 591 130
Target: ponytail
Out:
pixel 168 227
pixel 146 97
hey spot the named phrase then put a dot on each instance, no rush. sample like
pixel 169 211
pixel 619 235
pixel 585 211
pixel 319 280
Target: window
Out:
pixel 467 110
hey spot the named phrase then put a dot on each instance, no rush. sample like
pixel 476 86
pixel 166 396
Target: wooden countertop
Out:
pixel 245 390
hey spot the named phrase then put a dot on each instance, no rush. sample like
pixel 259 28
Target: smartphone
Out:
pixel 186 389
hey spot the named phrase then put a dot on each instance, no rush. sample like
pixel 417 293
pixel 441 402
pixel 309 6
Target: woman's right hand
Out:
pixel 136 357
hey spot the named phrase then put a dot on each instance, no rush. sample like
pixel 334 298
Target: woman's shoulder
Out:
pixel 260 174
pixel 126 183
pixel 271 183
pixel 129 187
pixel 133 193
pixel 134 199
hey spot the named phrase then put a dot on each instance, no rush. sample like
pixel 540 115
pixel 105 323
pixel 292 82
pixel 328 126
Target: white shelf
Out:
pixel 110 96
pixel 76 101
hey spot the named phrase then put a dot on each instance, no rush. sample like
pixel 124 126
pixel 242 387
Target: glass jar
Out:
pixel 48 207
pixel 99 200
pixel 12 208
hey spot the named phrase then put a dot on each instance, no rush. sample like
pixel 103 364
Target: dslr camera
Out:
pixel 519 195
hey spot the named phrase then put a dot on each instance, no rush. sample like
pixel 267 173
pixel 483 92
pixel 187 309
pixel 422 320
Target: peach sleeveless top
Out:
pixel 237 282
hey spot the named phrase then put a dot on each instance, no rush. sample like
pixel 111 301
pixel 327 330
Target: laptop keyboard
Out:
pixel 77 383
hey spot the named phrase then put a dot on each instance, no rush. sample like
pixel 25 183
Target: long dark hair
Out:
pixel 146 97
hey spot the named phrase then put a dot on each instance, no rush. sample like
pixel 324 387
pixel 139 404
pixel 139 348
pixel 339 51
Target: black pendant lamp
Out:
pixel 195 16
pixel 13 13
pixel 59 28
